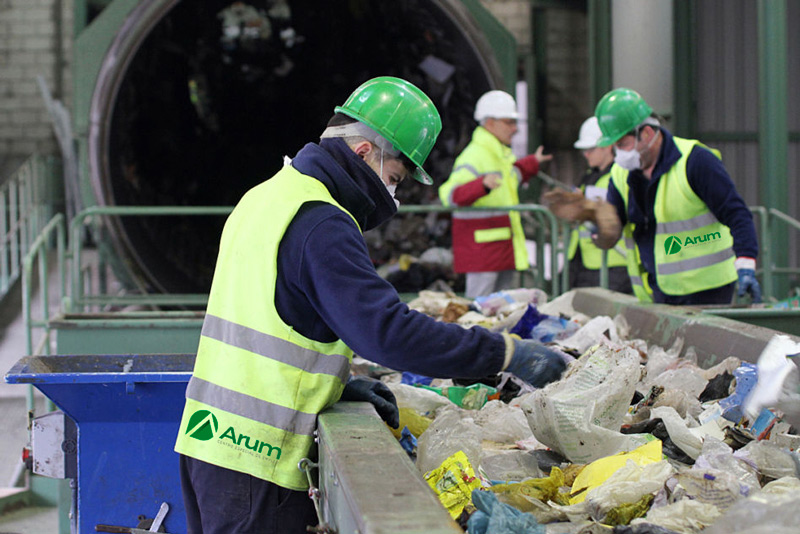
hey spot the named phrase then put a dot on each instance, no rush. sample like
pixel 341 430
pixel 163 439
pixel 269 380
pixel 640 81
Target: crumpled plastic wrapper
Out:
pixel 580 415
pixel 684 516
pixel 449 433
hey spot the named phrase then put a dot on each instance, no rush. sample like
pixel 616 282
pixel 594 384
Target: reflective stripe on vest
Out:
pixel 485 154
pixel 591 256
pixel 258 385
pixel 707 261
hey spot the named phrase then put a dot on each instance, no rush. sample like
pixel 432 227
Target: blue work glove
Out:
pixel 745 268
pixel 535 364
pixel 363 388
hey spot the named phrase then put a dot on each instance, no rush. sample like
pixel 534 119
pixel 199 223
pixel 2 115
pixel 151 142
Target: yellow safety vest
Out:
pixel 487 155
pixel 258 385
pixel 591 256
pixel 693 250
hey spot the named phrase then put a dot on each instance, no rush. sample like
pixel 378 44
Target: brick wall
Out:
pixel 30 46
pixel 515 15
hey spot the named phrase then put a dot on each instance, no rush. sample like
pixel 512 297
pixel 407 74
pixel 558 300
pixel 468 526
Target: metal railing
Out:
pixel 38 251
pixel 768 220
pixel 24 211
pixel 547 229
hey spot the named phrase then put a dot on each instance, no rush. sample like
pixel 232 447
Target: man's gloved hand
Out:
pixel 535 364
pixel 569 205
pixel 609 228
pixel 363 388
pixel 746 269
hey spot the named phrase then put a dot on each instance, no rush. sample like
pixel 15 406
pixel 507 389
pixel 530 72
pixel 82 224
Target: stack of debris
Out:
pixel 633 439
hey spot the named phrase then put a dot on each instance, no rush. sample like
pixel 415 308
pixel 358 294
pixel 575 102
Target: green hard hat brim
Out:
pixel 422 177
pixel 606 140
pixel 419 174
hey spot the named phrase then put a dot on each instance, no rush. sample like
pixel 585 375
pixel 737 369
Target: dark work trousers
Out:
pixel 221 501
pixel 719 295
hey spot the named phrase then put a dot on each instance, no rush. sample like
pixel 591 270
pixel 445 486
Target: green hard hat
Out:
pixel 619 112
pixel 401 113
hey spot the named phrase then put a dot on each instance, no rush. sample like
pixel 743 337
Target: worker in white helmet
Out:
pixel 489 246
pixel 585 258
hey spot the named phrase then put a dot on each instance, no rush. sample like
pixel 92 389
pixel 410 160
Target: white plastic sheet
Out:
pixel 579 416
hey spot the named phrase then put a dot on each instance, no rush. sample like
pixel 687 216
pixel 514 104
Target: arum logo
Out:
pixel 673 244
pixel 203 425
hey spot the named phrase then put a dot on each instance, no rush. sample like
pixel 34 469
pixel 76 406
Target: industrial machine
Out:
pixel 186 104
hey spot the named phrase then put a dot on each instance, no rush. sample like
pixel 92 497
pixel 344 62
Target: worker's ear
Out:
pixel 362 149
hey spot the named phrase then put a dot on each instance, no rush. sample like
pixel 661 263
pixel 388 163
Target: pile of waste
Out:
pixel 633 439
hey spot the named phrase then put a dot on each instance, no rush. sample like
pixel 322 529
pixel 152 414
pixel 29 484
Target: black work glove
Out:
pixel 363 388
pixel 535 364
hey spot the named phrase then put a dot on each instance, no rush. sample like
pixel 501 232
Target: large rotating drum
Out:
pixel 196 102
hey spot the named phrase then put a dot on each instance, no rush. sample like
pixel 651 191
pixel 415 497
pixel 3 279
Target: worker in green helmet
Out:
pixel 689 235
pixel 585 258
pixel 294 296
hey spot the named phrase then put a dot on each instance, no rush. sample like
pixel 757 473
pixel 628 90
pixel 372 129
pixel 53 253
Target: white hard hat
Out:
pixel 589 135
pixel 496 105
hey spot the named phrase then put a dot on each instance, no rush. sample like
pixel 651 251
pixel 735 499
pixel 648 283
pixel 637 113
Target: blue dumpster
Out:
pixel 127 411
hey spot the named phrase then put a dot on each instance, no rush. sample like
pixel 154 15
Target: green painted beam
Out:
pixel 685 61
pixel 712 336
pixel 773 123
pixel 500 39
pixel 599 44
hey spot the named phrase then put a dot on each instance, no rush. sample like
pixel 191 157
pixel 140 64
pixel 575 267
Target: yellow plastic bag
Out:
pixel 521 495
pixel 416 423
pixel 453 482
pixel 597 472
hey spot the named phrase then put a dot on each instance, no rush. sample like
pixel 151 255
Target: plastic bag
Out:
pixel 504 466
pixel 502 423
pixel 495 517
pixel 771 460
pixel 592 333
pixel 579 416
pixel 412 379
pixel 679 433
pixel 553 329
pixel 630 484
pixel 775 367
pixel 717 455
pixel 688 379
pixel 419 399
pixel 504 301
pixel 596 473
pixel 453 482
pixel 659 360
pixel 450 432
pixel 526 495
pixel 685 516
pixel 746 376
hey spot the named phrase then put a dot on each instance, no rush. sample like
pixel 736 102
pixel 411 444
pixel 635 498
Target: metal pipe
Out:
pixel 773 128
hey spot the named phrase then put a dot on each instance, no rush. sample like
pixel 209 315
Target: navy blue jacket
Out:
pixel 327 287
pixel 707 178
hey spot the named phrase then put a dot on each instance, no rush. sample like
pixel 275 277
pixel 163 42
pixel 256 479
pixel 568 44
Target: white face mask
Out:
pixel 391 189
pixel 630 160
